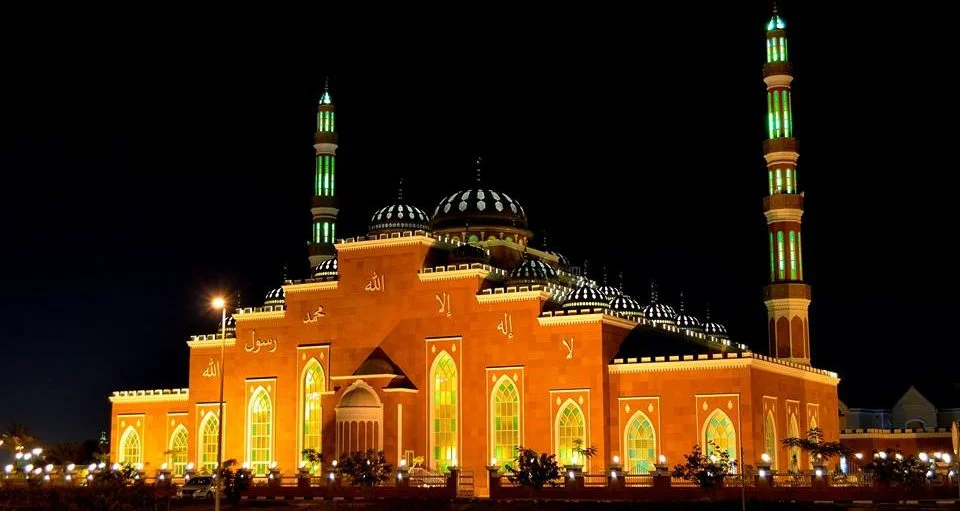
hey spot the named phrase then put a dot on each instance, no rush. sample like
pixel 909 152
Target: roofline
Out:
pixel 718 361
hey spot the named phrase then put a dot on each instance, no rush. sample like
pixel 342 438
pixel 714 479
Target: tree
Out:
pixel 815 447
pixel 235 480
pixel 313 457
pixel 892 466
pixel 707 471
pixel 582 452
pixel 365 468
pixel 534 470
pixel 62 453
pixel 17 437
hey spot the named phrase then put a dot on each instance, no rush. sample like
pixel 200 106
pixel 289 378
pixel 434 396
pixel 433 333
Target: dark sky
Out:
pixel 147 167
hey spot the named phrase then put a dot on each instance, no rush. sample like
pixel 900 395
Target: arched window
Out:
pixel 781 264
pixel 505 420
pixel 770 439
pixel 178 450
pixel 261 431
pixel 131 450
pixel 640 441
pixel 570 427
pixel 793 431
pixel 793 255
pixel 208 443
pixel 719 429
pixel 314 384
pixel 443 411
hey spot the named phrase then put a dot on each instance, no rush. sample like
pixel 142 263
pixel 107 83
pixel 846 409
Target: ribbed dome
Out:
pixel 399 217
pixel 609 291
pixel 585 297
pixel 685 320
pixel 531 271
pixel 479 207
pixel 275 297
pixel 712 327
pixel 327 270
pixel 231 327
pixel 562 260
pixel 626 306
pixel 658 312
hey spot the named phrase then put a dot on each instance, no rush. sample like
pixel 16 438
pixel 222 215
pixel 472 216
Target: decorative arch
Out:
pixel 719 429
pixel 260 431
pixel 131 449
pixel 783 337
pixel 770 445
pixel 209 429
pixel 444 410
pixel 640 442
pixel 178 450
pixel 359 419
pixel 313 385
pixel 504 419
pixel 797 338
pixel 569 426
pixel 793 431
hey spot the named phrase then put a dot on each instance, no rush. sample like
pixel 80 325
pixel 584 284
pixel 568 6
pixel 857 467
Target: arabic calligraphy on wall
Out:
pixel 568 344
pixel 212 369
pixel 444 301
pixel 375 284
pixel 254 345
pixel 505 326
pixel 313 317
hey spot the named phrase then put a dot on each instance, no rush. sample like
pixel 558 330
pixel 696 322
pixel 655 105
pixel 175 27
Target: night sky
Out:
pixel 145 169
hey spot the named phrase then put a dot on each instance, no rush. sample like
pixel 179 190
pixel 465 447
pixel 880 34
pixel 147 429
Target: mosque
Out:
pixel 448 334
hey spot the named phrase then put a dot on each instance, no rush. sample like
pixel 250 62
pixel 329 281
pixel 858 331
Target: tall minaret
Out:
pixel 323 206
pixel 787 297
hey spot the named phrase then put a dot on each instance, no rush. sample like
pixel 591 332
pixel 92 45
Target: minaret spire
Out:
pixel 787 297
pixel 323 206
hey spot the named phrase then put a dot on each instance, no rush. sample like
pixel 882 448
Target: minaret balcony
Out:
pixel 781 290
pixel 782 144
pixel 783 201
pixel 777 68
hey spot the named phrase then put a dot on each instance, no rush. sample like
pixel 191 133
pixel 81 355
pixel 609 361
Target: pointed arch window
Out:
pixel 793 255
pixel 570 427
pixel 770 439
pixel 641 444
pixel 719 430
pixel 794 452
pixel 314 384
pixel 444 406
pixel 260 422
pixel 178 450
pixel 131 450
pixel 209 429
pixel 505 420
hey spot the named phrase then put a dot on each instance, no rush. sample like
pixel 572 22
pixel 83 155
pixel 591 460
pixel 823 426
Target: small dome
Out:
pixel 713 328
pixel 658 312
pixel 626 306
pixel 775 23
pixel 399 217
pixel 562 260
pixel 231 329
pixel 609 291
pixel 275 297
pixel 359 397
pixel 585 297
pixel 327 270
pixel 685 320
pixel 469 254
pixel 532 271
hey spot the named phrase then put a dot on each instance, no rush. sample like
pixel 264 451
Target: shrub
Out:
pixel 533 470
pixel 365 468
pixel 707 471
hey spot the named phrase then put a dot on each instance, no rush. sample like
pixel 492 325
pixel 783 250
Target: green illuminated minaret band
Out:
pixel 787 297
pixel 323 206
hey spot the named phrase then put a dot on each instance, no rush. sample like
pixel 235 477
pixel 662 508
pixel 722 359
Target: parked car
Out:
pixel 199 487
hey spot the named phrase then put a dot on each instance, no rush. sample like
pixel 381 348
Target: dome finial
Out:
pixel 620 283
pixel 283 276
pixel 682 307
pixel 477 163
pixel 604 275
pixel 325 97
pixel 586 268
pixel 653 291
pixel 400 192
pixel 546 247
pixel 707 312
pixel 774 7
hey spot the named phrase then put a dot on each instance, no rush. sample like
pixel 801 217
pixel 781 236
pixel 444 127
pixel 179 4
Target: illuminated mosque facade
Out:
pixel 448 334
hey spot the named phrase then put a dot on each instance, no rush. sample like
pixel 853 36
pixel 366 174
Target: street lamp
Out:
pixel 220 303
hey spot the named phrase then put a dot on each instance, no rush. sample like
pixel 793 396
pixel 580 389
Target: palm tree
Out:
pixel 17 437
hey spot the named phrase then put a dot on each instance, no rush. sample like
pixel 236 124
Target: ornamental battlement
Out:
pixel 893 431
pixel 139 396
pixel 722 356
pixel 209 337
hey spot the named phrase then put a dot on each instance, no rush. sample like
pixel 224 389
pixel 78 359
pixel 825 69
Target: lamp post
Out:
pixel 219 303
